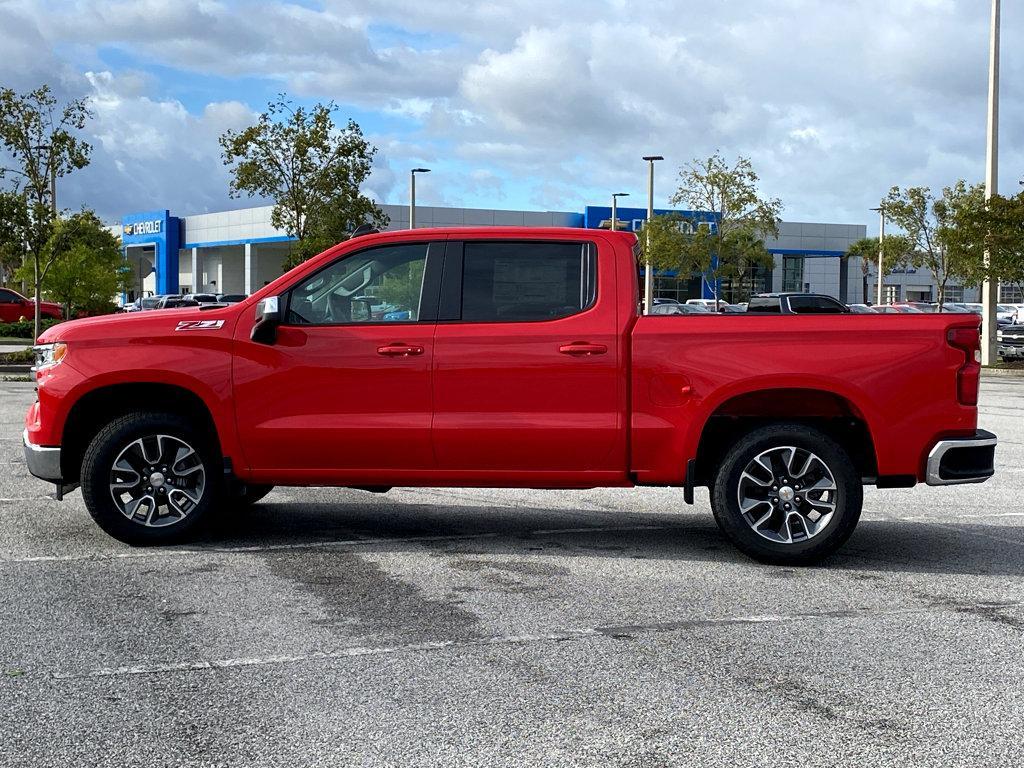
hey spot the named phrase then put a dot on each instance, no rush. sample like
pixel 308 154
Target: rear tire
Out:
pixel 150 478
pixel 787 494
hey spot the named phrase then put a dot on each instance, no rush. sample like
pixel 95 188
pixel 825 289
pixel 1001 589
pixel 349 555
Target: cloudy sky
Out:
pixel 535 104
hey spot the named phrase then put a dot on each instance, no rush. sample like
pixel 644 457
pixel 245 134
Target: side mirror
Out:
pixel 268 318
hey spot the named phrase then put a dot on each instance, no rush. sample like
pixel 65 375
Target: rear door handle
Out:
pixel 399 350
pixel 583 349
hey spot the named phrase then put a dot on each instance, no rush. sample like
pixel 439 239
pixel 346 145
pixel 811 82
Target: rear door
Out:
pixel 526 362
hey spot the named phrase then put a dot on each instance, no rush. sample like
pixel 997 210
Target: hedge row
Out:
pixel 22 329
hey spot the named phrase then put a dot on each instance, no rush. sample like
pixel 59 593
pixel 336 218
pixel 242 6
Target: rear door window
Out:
pixel 815 305
pixel 512 281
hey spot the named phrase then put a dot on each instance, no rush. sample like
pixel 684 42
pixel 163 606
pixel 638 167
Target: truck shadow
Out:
pixel 877 545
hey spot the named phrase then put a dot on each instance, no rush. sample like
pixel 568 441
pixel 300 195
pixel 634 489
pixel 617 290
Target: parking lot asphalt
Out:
pixel 470 626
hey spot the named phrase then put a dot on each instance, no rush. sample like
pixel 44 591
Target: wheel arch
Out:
pixel 833 413
pixel 98 407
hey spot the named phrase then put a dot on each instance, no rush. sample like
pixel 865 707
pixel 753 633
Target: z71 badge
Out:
pixel 198 325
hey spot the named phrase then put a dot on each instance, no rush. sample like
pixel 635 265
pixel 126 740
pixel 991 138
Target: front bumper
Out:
pixel 43 461
pixel 962 460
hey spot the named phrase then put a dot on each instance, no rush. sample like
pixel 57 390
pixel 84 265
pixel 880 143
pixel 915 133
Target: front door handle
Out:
pixel 399 350
pixel 583 349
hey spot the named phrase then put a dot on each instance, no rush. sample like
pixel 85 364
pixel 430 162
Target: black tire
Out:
pixel 807 543
pixel 98 475
pixel 249 496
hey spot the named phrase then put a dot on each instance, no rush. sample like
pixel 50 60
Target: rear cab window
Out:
pixel 520 281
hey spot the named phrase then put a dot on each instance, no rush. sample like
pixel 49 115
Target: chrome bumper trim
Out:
pixel 933 476
pixel 43 461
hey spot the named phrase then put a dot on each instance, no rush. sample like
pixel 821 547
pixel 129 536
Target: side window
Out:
pixel 816 305
pixel 8 297
pixel 379 285
pixel 512 281
pixel 764 304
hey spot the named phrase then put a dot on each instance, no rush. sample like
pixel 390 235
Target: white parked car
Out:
pixel 702 302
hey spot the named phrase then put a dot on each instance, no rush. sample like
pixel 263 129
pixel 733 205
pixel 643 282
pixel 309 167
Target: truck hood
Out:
pixel 154 323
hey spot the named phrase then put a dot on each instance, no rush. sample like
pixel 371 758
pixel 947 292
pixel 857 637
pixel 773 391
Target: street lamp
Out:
pixel 881 245
pixel 615 208
pixel 648 272
pixel 988 291
pixel 412 194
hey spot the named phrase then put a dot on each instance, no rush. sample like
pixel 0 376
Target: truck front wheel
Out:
pixel 787 494
pixel 149 479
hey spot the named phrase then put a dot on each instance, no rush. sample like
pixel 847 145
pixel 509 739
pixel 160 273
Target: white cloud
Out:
pixel 530 102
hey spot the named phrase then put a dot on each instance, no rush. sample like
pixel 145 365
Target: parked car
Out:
pixel 922 306
pixel 862 309
pixel 680 309
pixel 796 304
pixel 702 302
pixel 906 309
pixel 171 302
pixel 731 309
pixel 1010 342
pixel 14 307
pixel 518 369
pixel 203 298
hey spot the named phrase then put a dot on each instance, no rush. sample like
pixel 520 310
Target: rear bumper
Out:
pixel 962 460
pixel 43 461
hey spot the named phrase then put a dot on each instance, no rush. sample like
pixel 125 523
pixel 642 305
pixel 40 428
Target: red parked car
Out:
pixel 519 361
pixel 14 307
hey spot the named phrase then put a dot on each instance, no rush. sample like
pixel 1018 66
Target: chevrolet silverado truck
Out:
pixel 502 357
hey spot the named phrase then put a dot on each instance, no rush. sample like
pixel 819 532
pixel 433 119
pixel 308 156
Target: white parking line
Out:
pixel 156 553
pixel 561 635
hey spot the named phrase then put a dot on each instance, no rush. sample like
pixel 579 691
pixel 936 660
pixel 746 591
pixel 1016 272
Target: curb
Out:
pixel 1000 373
pixel 15 368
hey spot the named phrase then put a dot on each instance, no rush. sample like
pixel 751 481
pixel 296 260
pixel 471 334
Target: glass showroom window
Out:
pixel 792 273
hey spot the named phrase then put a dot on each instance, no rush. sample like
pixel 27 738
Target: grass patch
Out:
pixel 15 378
pixel 15 358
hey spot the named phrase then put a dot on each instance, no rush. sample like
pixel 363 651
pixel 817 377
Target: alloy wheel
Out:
pixel 787 494
pixel 157 480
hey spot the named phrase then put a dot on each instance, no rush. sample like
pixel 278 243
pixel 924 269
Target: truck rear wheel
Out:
pixel 787 494
pixel 150 479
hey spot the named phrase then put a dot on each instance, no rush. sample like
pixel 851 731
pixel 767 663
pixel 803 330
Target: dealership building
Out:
pixel 236 252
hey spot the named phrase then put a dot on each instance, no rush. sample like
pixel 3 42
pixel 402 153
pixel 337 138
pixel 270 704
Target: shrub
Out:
pixel 22 329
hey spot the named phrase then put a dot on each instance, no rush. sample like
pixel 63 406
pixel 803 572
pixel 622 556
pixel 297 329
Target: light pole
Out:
pixel 615 208
pixel 648 272
pixel 988 291
pixel 881 251
pixel 412 194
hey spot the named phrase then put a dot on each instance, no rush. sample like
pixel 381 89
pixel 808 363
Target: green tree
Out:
pixel 733 244
pixel 897 255
pixel 14 222
pixel 664 239
pixel 311 169
pixel 931 224
pixel 88 269
pixel 995 225
pixel 40 139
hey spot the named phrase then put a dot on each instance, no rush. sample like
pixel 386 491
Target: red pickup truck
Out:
pixel 502 357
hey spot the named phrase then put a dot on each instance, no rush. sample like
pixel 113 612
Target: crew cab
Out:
pixel 519 359
pixel 792 303
pixel 14 307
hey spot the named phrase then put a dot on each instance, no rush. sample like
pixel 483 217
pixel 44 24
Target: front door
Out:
pixel 344 393
pixel 526 363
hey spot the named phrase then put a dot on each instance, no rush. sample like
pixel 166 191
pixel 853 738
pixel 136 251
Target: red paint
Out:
pixel 598 398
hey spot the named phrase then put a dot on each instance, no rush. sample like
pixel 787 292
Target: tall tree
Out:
pixel 311 169
pixel 40 137
pixel 88 269
pixel 995 225
pixel 931 224
pixel 733 244
pixel 897 255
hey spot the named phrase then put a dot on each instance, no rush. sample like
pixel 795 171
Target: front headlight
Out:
pixel 49 354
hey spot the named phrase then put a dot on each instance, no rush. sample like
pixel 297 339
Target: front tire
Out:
pixel 150 479
pixel 787 494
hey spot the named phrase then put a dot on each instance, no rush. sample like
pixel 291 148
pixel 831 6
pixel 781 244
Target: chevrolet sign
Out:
pixel 151 227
